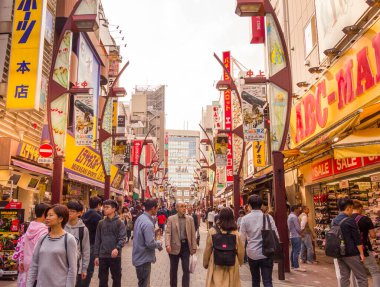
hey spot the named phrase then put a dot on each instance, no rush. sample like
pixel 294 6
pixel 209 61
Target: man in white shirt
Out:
pixel 210 218
pixel 250 230
pixel 307 250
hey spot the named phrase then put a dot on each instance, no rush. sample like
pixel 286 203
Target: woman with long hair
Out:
pixel 54 261
pixel 218 275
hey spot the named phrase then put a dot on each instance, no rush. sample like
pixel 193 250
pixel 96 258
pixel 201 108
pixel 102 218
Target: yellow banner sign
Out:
pixel 259 154
pixel 352 83
pixel 28 151
pixel 25 68
pixel 115 113
pixel 83 160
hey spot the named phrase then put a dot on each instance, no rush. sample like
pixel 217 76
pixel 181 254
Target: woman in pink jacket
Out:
pixel 36 230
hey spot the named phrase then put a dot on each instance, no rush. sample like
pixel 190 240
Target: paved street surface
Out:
pixel 316 275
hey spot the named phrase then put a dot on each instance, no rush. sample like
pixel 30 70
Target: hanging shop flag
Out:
pixel 216 111
pixel 84 120
pixel 25 66
pixel 253 102
pixel 127 158
pixel 221 150
pixel 259 154
pixel 136 151
pixel 258 30
pixel 228 117
pixel 114 113
pixel 119 151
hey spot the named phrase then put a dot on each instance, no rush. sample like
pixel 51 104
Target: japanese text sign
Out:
pixel 259 154
pixel 25 67
pixel 228 117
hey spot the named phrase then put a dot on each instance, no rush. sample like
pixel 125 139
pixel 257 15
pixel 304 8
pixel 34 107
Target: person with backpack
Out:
pixel 180 242
pixel 251 228
pixel 295 231
pixel 76 227
pixel 343 242
pixel 91 219
pixel 55 261
pixel 109 240
pixel 224 252
pixel 367 231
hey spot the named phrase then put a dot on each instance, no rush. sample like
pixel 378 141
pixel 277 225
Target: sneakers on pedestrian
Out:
pixel 300 269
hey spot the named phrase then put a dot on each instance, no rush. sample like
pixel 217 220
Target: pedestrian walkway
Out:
pixel 316 275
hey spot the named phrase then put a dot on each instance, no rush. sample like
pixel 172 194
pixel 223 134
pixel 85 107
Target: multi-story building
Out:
pixel 183 154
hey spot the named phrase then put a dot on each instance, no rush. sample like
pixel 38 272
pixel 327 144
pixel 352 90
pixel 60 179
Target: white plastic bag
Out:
pixel 193 263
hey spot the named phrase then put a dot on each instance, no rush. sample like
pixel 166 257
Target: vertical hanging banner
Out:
pixel 258 30
pixel 259 154
pixel 25 66
pixel 253 102
pixel 228 117
pixel 221 150
pixel 84 120
pixel 216 115
pixel 136 151
pixel 115 113
pixel 58 114
pixel 119 151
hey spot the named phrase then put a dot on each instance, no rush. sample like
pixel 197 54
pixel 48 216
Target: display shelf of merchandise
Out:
pixel 322 216
pixel 374 212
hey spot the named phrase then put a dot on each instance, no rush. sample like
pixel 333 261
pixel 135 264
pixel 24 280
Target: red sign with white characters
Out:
pixel 371 160
pixel 45 150
pixel 228 118
pixel 346 164
pixel 322 169
pixel 258 30
pixel 136 150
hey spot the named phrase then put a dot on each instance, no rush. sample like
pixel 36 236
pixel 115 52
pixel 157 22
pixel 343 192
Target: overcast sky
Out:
pixel 171 42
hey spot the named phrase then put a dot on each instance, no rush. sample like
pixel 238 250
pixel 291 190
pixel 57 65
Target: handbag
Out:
pixel 193 263
pixel 271 246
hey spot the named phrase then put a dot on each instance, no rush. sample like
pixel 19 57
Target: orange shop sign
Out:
pixel 351 83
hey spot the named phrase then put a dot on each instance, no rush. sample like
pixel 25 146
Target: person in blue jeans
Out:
pixel 295 237
pixel 307 250
pixel 250 231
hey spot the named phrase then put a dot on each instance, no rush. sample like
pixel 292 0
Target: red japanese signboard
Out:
pixel 258 30
pixel 136 150
pixel 228 117
pixel 322 169
pixel 346 164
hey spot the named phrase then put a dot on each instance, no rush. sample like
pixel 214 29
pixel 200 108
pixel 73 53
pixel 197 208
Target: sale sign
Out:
pixel 322 169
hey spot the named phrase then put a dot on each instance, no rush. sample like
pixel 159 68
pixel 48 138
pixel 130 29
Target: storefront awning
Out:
pixel 83 179
pixel 32 167
pixel 117 191
pixel 361 143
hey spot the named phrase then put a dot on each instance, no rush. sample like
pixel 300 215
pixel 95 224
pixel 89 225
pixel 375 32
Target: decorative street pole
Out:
pixel 279 80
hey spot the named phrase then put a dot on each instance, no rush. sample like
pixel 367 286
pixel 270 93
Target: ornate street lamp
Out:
pixel 279 80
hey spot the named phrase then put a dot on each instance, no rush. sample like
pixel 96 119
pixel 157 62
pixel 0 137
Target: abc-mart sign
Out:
pixel 351 84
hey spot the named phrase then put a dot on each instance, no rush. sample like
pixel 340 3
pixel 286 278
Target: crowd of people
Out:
pixel 72 242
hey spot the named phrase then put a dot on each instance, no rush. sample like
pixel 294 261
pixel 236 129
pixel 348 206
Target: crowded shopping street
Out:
pixel 202 143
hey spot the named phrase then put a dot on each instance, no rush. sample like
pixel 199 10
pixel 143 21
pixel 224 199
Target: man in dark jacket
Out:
pixel 91 219
pixel 110 238
pixel 354 257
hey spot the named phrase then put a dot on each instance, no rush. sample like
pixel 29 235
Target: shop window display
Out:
pixel 325 204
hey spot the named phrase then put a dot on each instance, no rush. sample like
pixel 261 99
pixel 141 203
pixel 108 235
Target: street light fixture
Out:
pixel 250 8
pixel 223 85
pixel 85 23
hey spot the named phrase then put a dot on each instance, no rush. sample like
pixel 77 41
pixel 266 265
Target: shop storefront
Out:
pixel 22 176
pixel 84 175
pixel 335 129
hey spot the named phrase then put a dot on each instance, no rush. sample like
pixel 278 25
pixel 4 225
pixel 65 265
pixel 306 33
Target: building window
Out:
pixel 185 193
pixel 179 193
pixel 310 36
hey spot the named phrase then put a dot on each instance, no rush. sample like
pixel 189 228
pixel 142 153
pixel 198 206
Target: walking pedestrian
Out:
pixel 36 230
pixel 367 231
pixel 307 250
pixel 54 261
pixel 211 218
pixel 250 230
pixel 109 241
pixel 76 227
pixel 91 219
pixel 146 241
pixel 126 217
pixel 161 219
pixel 223 276
pixel 241 215
pixel 354 256
pixel 295 237
pixel 180 242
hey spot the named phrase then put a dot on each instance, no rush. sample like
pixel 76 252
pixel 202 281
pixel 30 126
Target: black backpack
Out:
pixel 335 245
pixel 224 248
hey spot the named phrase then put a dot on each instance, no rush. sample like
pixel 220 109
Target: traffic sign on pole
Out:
pixel 45 150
